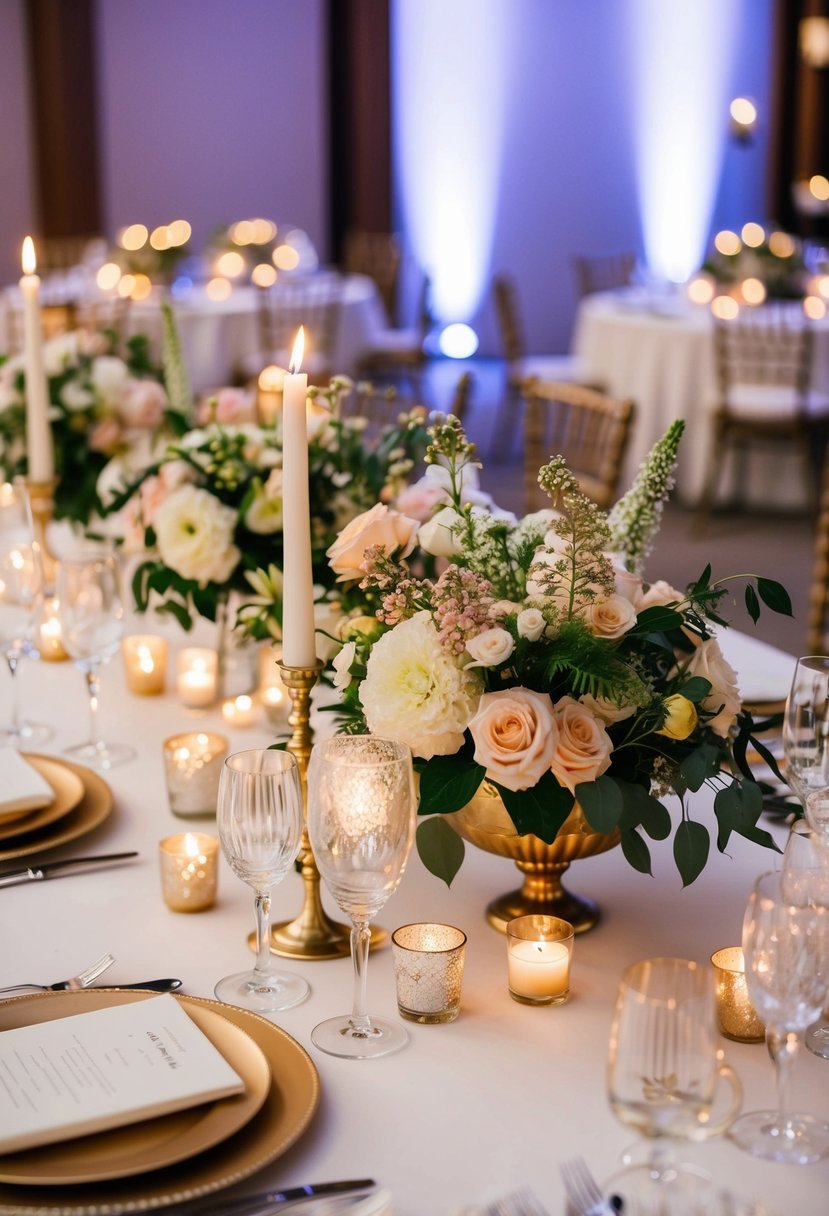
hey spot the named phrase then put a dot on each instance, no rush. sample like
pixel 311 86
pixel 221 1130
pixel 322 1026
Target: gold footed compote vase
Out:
pixel 484 822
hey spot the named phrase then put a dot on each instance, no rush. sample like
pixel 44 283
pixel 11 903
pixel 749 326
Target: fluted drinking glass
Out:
pixel 805 852
pixel 806 731
pixel 21 592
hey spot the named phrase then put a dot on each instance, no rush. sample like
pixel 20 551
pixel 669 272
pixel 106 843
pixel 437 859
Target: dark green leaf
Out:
pixel 539 811
pixel 602 802
pixel 140 590
pixel 696 689
pixel 701 763
pixel 179 611
pixel 752 603
pixel 636 852
pixel 702 582
pixel 447 783
pixel 657 620
pixel 441 849
pixel 691 846
pixel 654 817
pixel 763 751
pixel 775 596
pixel 727 811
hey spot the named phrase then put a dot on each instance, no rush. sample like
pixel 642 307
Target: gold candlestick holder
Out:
pixel 42 499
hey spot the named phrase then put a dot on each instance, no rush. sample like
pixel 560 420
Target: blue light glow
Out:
pixel 448 116
pixel 682 58
pixel 458 341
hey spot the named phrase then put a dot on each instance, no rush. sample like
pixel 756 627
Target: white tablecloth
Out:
pixel 466 1111
pixel 659 352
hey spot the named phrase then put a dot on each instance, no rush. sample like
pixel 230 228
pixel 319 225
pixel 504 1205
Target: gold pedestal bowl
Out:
pixel 484 822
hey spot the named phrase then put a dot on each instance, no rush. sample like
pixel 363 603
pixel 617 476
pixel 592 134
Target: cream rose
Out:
pixel 194 533
pixel 610 616
pixel 439 535
pixel 142 403
pixel 515 736
pixel 583 747
pixel 109 376
pixel 658 595
pixel 490 648
pixel 379 526
pixel 609 713
pixel 531 624
pixel 709 662
pixel 628 585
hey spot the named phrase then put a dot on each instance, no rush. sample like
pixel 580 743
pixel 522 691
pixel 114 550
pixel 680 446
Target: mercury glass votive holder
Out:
pixel 189 867
pixel 539 954
pixel 192 766
pixel 735 1013
pixel 145 663
pixel 428 968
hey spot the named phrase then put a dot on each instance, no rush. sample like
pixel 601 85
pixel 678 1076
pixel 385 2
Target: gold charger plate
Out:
pixel 68 788
pixel 285 1114
pixel 150 1144
pixel 93 808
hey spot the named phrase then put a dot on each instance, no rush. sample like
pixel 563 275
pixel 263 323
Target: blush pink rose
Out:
pixel 229 405
pixel 658 595
pixel 381 526
pixel 418 501
pixel 142 403
pixel 583 747
pixel 609 617
pixel 515 736
pixel 104 435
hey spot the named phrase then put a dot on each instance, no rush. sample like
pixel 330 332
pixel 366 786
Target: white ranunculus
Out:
pixel 76 396
pixel 531 624
pixel 194 533
pixel 109 377
pixel 341 664
pixel 490 648
pixel 440 534
pixel 264 515
pixel 417 693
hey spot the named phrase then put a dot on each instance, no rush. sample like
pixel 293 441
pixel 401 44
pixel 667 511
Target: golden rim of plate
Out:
pixel 94 807
pixel 67 787
pixel 290 1105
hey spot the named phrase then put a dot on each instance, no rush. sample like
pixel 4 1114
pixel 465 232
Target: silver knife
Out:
pixel 52 869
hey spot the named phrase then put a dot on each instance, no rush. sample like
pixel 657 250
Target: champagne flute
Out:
pixel 664 1063
pixel 259 815
pixel 806 852
pixel 361 818
pixel 786 946
pixel 806 729
pixel 92 621
pixel 21 592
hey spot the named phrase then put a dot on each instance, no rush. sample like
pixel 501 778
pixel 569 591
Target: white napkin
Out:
pixel 21 787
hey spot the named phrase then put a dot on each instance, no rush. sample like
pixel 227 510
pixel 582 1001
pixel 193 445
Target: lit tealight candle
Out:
pixel 269 394
pixel 49 633
pixel 196 677
pixel 145 663
pixel 239 711
pixel 539 950
pixel 735 1013
pixel 189 863
pixel 193 764
pixel 272 691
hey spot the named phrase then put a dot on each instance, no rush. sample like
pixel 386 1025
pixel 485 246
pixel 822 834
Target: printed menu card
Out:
pixel 106 1068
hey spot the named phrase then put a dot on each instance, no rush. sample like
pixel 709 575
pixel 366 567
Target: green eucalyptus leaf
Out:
pixel 636 852
pixel 602 802
pixel 752 603
pixel 696 689
pixel 447 783
pixel 540 810
pixel 775 596
pixel 441 849
pixel 691 847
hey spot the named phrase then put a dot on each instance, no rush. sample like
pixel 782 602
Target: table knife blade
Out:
pixel 53 869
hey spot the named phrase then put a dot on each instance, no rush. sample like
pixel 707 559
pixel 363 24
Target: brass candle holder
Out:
pixel 42 499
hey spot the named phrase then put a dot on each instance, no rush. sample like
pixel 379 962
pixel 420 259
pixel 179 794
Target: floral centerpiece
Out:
pixel 208 513
pixel 775 261
pixel 102 405
pixel 540 661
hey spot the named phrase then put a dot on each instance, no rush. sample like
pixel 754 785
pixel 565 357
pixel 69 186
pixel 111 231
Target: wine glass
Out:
pixel 786 948
pixel 361 817
pixel 21 592
pixel 806 852
pixel 92 622
pixel 806 728
pixel 664 1063
pixel 259 815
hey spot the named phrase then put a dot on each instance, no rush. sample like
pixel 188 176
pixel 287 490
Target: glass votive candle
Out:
pixel 49 640
pixel 196 677
pixel 735 1013
pixel 189 864
pixel 539 953
pixel 145 663
pixel 428 968
pixel 272 691
pixel 192 766
pixel 239 711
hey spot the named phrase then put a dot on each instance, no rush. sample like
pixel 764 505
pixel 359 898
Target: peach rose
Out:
pixel 379 526
pixel 515 736
pixel 607 711
pixel 610 616
pixel 104 435
pixel 658 595
pixel 142 403
pixel 709 662
pixel 582 750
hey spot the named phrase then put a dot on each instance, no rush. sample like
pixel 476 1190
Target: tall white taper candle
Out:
pixel 298 640
pixel 38 432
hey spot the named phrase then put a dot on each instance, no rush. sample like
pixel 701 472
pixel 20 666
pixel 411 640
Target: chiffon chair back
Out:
pixel 376 254
pixel 589 428
pixel 602 272
pixel 763 362
pixel 313 302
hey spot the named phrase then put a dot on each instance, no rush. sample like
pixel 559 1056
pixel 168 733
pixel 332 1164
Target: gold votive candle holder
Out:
pixel 189 867
pixel 428 968
pixel 539 956
pixel 192 767
pixel 240 711
pixel 736 1015
pixel 145 663
pixel 50 632
pixel 197 671
pixel 269 394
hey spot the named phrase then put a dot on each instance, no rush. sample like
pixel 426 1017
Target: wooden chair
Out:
pixel 55 319
pixel 313 302
pixel 817 632
pixel 376 254
pixel 763 364
pixel 587 427
pixel 397 356
pixel 460 397
pixel 603 272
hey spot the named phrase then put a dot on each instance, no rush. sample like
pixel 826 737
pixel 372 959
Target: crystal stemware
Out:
pixel 92 621
pixel 806 728
pixel 806 851
pixel 21 592
pixel 259 816
pixel 361 817
pixel 664 1064
pixel 786 945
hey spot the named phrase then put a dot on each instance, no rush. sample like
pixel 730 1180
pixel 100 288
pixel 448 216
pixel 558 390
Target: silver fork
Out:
pixel 518 1203
pixel 82 980
pixel 583 1190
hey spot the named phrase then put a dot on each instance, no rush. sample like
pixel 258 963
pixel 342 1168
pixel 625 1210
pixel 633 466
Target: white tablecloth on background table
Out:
pixel 659 351
pixel 466 1111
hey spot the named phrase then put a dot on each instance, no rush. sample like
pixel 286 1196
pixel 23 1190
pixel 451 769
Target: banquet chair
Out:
pixel 398 356
pixel 460 397
pixel 763 363
pixel 602 272
pixel 314 303
pixel 111 314
pixel 588 428
pixel 377 255
pixel 55 319
pixel 817 630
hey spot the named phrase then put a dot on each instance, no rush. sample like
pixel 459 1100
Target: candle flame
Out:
pixel 191 845
pixel 297 351
pixel 28 259
pixel 145 659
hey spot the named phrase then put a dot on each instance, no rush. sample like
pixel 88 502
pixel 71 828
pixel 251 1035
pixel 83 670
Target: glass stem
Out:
pixel 261 971
pixel 360 940
pixel 782 1045
pixel 93 687
pixel 14 725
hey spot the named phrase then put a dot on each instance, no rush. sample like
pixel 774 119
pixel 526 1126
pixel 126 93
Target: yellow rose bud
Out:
pixel 680 717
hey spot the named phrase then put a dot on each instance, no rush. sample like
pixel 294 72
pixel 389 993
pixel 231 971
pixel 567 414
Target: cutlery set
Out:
pixel 86 978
